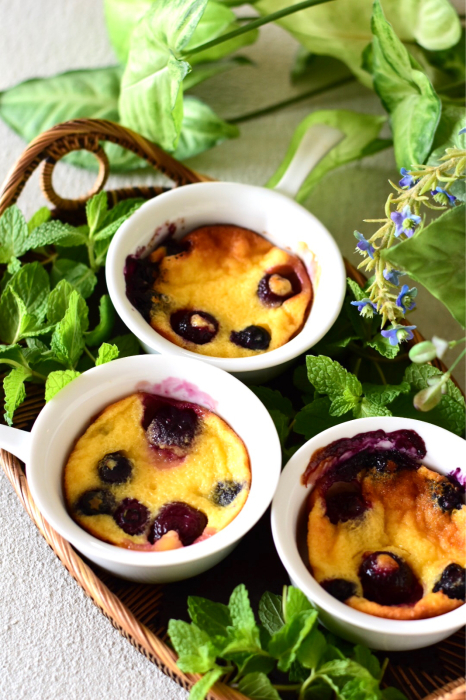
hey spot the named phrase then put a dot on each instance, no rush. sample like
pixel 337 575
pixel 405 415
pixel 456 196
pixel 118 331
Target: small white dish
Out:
pixel 270 213
pixel 46 448
pixel 446 454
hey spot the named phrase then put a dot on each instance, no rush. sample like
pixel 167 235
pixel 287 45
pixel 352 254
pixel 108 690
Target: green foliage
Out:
pixel 57 380
pixel 291 642
pixel 436 260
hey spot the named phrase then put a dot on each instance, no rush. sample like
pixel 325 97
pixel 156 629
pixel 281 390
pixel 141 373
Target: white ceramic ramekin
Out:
pixel 66 416
pixel 284 222
pixel 446 453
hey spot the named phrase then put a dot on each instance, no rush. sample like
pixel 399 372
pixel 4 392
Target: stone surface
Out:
pixel 53 642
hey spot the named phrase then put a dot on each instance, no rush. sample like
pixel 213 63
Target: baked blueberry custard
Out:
pixel 386 535
pixel 222 291
pixel 153 473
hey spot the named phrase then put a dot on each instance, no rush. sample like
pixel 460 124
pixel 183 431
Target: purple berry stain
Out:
pixel 197 327
pixel 187 521
pixel 139 277
pixel 115 468
pixel 132 516
pixel 251 338
pixel 388 580
pixel 452 582
pixel 276 287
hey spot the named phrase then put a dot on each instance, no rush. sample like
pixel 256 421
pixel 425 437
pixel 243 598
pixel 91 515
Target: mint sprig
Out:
pixel 287 641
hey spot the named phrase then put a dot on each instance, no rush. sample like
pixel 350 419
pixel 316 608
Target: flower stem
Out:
pixel 460 356
pixel 255 24
pixel 89 354
pixel 291 101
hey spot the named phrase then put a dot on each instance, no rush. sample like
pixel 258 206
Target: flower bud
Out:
pixel 427 399
pixel 441 346
pixel 423 352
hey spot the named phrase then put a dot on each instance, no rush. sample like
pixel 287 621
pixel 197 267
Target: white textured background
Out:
pixel 53 642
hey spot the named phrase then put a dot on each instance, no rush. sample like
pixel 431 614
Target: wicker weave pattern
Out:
pixel 49 148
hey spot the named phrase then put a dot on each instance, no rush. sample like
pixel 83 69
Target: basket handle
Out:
pixel 87 134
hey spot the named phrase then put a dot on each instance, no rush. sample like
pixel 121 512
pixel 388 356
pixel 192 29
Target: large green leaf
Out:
pixel 360 137
pixel 123 15
pixel 435 258
pixel 201 129
pixel 36 105
pixel 342 29
pixel 406 94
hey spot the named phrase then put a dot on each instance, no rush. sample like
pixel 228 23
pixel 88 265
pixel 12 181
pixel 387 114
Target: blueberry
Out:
pixel 449 497
pixel 172 428
pixel 452 582
pixel 251 338
pixel 195 326
pixel 339 588
pixel 96 502
pixel 115 468
pixel 225 492
pixel 188 522
pixel 139 278
pixel 344 501
pixel 388 580
pixel 276 287
pixel 132 516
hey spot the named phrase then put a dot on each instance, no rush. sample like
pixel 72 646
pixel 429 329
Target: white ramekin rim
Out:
pixel 137 232
pixel 113 374
pixel 291 492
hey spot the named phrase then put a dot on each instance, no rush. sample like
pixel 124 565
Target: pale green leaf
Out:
pixel 257 687
pixel 57 380
pixel 77 274
pixel 13 234
pixel 15 393
pixel 201 129
pixel 107 353
pixel 202 687
pixel 40 217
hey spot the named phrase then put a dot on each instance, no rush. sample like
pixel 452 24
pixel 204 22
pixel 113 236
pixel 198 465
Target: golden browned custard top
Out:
pixel 386 535
pixel 225 291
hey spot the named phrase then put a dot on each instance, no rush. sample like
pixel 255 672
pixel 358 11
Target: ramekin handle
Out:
pixel 18 442
pixel 315 144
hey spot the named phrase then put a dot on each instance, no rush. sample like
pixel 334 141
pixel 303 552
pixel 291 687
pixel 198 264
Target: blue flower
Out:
pixel 463 131
pixel 407 180
pixel 405 221
pixel 397 334
pixel 393 276
pixel 406 297
pixel 366 307
pixel 363 245
pixel 442 196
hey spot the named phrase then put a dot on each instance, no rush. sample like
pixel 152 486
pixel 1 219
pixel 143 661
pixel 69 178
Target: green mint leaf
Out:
pixel 12 356
pixel 13 234
pixel 252 663
pixel 107 319
pixel 349 680
pixel 107 353
pixel 343 404
pixel 127 345
pixel 58 301
pixel 364 657
pixel 358 292
pixel 57 380
pixel 382 345
pixel 312 648
pixel 434 250
pixel 367 409
pixel 40 217
pixel 270 612
pixel 15 393
pixel 31 284
pixel 202 687
pixel 212 618
pixel 96 211
pixel 242 616
pixel 13 317
pixel 125 208
pixel 315 418
pixel 80 276
pixel 285 643
pixel 330 378
pixel 67 339
pixel 273 400
pixel 110 230
pixel 383 394
pixel 295 603
pixel 257 687
pixel 196 652
pixel 13 266
pixel 56 232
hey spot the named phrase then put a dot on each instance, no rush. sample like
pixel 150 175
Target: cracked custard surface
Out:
pixel 152 473
pixel 386 535
pixel 222 291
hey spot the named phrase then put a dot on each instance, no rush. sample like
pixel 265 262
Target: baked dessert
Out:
pixel 222 291
pixel 386 535
pixel 153 473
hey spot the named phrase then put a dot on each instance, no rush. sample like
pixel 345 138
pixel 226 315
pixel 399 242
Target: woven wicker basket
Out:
pixel 136 610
